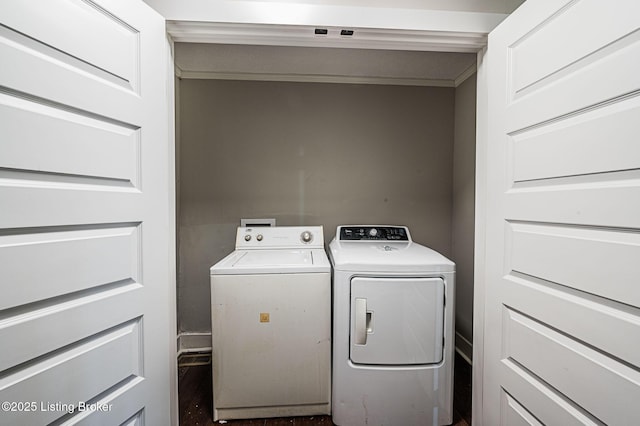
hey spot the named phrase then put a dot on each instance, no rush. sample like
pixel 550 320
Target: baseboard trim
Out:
pixel 194 342
pixel 464 348
pixel 201 342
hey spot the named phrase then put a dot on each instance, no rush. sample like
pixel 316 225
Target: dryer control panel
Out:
pixel 377 233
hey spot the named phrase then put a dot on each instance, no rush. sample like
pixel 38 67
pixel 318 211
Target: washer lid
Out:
pixel 277 261
pixel 387 256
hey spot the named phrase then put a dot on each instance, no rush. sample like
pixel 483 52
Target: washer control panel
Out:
pixel 377 233
pixel 274 237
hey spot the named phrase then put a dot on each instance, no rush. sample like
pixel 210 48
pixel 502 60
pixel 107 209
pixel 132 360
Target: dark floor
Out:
pixel 194 389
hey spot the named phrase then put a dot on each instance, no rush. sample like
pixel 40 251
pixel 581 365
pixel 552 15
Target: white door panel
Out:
pixel 122 402
pixel 560 56
pixel 566 310
pixel 80 82
pixel 534 62
pixel 56 254
pixel 103 150
pixel 579 201
pixel 109 359
pixel 550 407
pixel 592 260
pixel 602 385
pixel 550 151
pixel 515 414
pixel 38 332
pixel 86 307
pixel 108 43
pixel 562 304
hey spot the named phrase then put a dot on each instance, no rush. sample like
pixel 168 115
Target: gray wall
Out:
pixel 462 236
pixel 306 154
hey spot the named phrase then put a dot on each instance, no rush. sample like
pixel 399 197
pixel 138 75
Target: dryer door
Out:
pixel 396 321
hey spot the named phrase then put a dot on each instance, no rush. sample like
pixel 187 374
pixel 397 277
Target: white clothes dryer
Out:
pixel 271 325
pixel 393 303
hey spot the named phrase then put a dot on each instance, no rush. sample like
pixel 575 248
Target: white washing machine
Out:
pixel 393 318
pixel 271 325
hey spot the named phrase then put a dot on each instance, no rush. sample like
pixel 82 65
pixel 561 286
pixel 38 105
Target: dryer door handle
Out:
pixel 360 321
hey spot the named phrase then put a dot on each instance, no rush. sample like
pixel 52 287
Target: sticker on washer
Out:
pixel 264 316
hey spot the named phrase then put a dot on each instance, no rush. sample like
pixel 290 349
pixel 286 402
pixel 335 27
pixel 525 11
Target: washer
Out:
pixel 271 325
pixel 392 329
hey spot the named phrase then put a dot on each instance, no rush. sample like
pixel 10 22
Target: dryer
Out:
pixel 271 325
pixel 393 302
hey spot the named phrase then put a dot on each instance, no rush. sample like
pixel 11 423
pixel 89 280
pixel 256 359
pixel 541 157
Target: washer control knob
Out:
pixel 259 237
pixel 373 232
pixel 306 237
pixel 247 237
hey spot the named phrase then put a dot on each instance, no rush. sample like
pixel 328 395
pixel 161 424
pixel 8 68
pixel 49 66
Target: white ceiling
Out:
pixel 485 6
pixel 406 42
pixel 285 63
